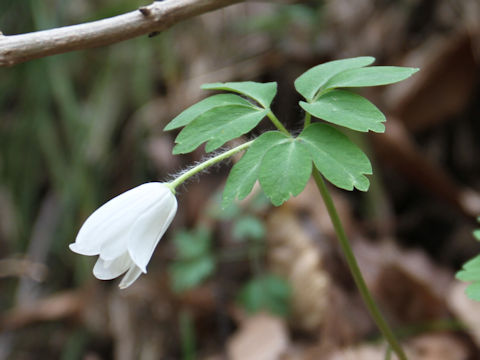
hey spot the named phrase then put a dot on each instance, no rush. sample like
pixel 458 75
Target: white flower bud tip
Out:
pixel 125 231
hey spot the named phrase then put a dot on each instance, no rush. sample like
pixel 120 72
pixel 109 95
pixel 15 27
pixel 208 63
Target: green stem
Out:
pixel 354 269
pixel 308 119
pixel 187 335
pixel 202 166
pixel 388 353
pixel 277 123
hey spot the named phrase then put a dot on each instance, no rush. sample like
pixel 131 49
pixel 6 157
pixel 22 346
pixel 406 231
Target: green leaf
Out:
pixel 192 244
pixel 194 111
pixel 248 227
pixel 476 234
pixel 229 212
pixel 347 109
pixel 471 273
pixel 472 264
pixel 217 126
pixel 244 173
pixel 195 260
pixel 267 292
pixel 370 76
pixel 336 157
pixel 314 79
pixel 187 274
pixel 263 93
pixel 285 170
pixel 473 291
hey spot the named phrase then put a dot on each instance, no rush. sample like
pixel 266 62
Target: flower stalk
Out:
pixel 202 166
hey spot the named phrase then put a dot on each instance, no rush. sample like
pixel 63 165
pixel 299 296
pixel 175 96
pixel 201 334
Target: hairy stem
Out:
pixel 355 270
pixel 202 166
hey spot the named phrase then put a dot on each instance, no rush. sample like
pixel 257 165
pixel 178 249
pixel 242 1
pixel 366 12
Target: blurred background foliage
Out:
pixel 80 128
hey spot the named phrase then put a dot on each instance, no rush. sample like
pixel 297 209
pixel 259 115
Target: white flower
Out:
pixel 125 231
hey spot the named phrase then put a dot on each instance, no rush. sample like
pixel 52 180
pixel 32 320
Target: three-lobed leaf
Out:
pixel 263 93
pixel 318 86
pixel 283 164
pixel 223 117
pixel 285 170
pixel 194 111
pixel 347 109
pixel 244 173
pixel 336 157
pixel 217 126
pixel 313 80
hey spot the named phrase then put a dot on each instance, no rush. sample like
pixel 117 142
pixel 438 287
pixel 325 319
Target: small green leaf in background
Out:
pixel 285 170
pixel 244 173
pixel 195 259
pixel 248 227
pixel 259 202
pixel 336 157
pixel 312 81
pixel 194 111
pixel 347 109
pixel 263 93
pixel 187 274
pixel 471 273
pixel 266 292
pixel 370 76
pixel 217 126
pixel 229 212
pixel 191 244
pixel 476 234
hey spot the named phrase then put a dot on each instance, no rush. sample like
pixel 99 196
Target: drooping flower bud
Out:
pixel 125 231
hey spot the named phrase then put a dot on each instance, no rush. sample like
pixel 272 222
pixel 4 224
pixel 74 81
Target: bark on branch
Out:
pixel 157 16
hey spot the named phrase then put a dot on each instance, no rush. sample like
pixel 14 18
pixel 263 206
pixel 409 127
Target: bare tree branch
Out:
pixel 155 17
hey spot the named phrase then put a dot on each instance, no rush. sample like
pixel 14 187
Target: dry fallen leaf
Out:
pixel 293 254
pixel 362 352
pixel 260 337
pixel 465 309
pixel 405 282
pixel 438 346
pixel 450 59
pixel 432 346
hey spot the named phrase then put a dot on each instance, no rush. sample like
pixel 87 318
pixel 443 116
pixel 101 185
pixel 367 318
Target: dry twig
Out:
pixel 155 17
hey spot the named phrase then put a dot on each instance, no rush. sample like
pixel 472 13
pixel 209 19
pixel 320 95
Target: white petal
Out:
pixel 110 222
pixel 132 275
pixel 107 270
pixel 149 228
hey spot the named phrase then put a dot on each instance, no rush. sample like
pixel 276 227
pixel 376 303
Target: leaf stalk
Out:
pixel 308 120
pixel 354 268
pixel 277 123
